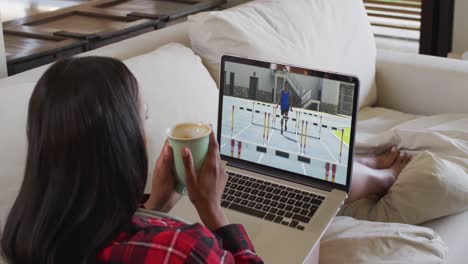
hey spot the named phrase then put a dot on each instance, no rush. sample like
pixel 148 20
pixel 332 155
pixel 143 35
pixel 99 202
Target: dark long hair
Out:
pixel 86 165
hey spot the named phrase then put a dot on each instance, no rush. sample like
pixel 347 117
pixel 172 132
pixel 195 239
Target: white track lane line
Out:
pixel 235 136
pixel 336 161
pixel 261 157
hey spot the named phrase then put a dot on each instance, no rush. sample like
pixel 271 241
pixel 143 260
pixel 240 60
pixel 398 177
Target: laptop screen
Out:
pixel 288 118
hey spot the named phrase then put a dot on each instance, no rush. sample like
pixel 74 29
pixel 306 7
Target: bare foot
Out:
pixel 388 176
pixel 372 182
pixel 384 179
pixel 400 164
pixel 382 161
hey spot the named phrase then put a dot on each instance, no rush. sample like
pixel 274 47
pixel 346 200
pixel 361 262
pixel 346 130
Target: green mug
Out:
pixel 196 137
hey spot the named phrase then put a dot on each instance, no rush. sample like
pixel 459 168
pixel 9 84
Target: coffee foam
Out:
pixel 189 131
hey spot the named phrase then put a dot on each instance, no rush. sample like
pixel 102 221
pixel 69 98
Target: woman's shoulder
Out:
pixel 150 239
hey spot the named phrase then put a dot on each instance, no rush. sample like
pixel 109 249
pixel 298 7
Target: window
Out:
pixel 419 26
pixel 396 23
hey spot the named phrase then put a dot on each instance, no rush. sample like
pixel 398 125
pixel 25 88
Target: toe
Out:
pixel 402 158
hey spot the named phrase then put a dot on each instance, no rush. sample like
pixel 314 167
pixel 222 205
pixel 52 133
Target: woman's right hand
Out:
pixel 206 187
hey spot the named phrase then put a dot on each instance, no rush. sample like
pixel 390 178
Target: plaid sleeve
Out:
pixel 160 240
pixel 234 239
pixel 228 244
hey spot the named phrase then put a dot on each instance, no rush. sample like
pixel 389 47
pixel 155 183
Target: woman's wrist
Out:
pixel 153 203
pixel 161 203
pixel 212 216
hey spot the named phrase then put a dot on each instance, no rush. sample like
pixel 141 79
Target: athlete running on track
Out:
pixel 286 104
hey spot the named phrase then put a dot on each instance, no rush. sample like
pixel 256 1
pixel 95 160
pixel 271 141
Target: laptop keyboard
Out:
pixel 277 203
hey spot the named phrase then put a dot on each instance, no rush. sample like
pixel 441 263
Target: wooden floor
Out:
pixel 13 9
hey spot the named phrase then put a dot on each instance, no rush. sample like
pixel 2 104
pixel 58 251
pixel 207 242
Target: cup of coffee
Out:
pixel 196 137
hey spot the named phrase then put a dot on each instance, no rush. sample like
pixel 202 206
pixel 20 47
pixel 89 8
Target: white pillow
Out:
pixel 323 34
pixel 177 88
pixel 429 187
pixel 14 101
pixel 353 241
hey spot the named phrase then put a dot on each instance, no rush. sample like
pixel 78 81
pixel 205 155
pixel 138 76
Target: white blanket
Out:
pixel 441 134
pixel 434 184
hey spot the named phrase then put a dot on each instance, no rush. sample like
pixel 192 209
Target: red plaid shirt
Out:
pixel 164 240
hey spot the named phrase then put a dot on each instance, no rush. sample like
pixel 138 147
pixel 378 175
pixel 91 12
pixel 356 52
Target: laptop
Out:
pixel 286 134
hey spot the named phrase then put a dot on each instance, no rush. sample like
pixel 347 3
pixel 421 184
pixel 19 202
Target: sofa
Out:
pixel 3 66
pixel 406 83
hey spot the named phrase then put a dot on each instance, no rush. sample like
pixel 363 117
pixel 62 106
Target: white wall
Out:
pixel 307 83
pixel 3 68
pixel 460 27
pixel 330 92
pixel 266 78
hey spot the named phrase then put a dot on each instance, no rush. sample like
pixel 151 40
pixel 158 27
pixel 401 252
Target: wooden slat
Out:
pixel 416 3
pixel 395 26
pixel 395 17
pixel 407 10
pixel 393 10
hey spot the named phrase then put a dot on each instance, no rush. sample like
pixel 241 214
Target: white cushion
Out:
pixel 14 101
pixel 352 241
pixel 177 88
pixel 332 35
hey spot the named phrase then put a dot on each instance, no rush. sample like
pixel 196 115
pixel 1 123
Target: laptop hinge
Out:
pixel 272 173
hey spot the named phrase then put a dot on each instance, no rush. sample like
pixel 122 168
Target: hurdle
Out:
pixel 254 146
pixel 297 123
pixel 270 124
pixel 233 143
pixel 320 126
pixel 327 168
pixel 264 128
pixel 333 172
pixel 275 108
pixel 305 137
pixel 268 127
pixel 330 167
pixel 253 110
pixel 232 121
pixel 297 119
pixel 302 136
pixel 239 147
pixel 341 144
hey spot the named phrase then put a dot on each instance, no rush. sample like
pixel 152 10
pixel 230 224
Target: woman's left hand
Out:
pixel 163 195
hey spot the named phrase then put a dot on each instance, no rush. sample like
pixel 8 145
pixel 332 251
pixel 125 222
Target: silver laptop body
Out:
pixel 288 175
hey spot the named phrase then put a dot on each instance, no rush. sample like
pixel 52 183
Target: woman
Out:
pixel 86 172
